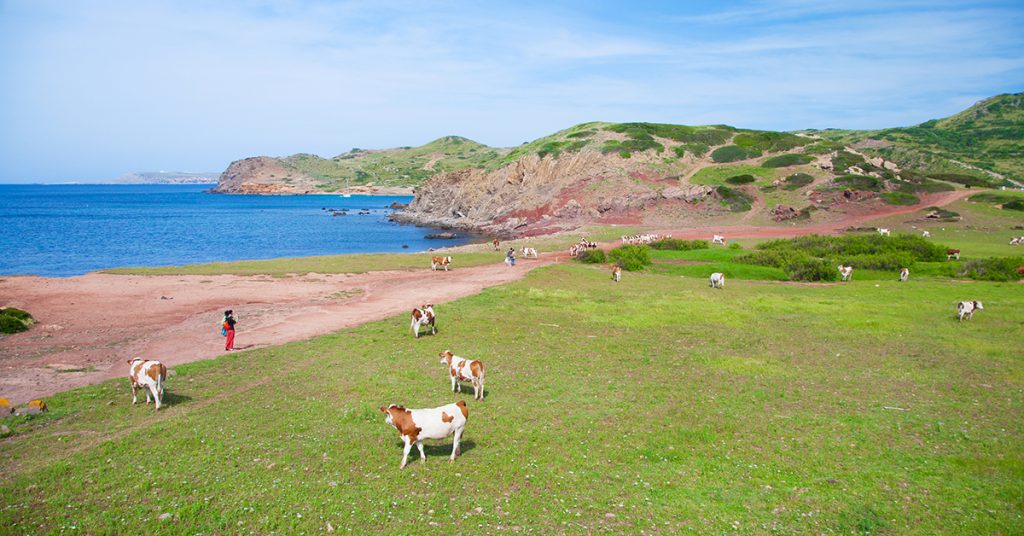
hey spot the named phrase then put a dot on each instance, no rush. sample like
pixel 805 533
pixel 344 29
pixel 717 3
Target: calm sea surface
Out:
pixel 63 230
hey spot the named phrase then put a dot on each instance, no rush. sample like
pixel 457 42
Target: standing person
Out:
pixel 229 327
pixel 510 257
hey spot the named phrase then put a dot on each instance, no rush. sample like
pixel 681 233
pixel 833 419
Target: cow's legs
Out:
pixel 455 445
pixel 415 329
pixel 419 445
pixel 433 329
pixel 135 394
pixel 405 451
pixel 156 395
pixel 147 389
pixel 481 388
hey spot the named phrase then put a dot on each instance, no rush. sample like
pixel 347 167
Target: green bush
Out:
pixel 14 320
pixel 741 179
pixel 943 214
pixel 735 246
pixel 631 258
pixel 759 141
pixel 786 160
pixel 736 200
pixel 696 149
pixel 711 135
pixel 627 147
pixel 844 160
pixel 900 198
pixel 593 256
pixel 732 153
pixel 1014 205
pixel 676 244
pixel 860 182
pixel 809 269
pixel 797 181
pixel 992 269
pixel 966 180
pixel 555 148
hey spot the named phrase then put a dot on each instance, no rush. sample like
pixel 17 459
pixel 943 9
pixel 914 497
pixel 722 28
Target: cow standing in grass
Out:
pixel 718 239
pixel 717 280
pixel 904 274
pixel 496 244
pixel 616 273
pixel 149 376
pixel 530 253
pixel 926 234
pixel 415 425
pixel 464 370
pixel 883 232
pixel 846 272
pixel 966 309
pixel 442 262
pixel 952 253
pixel 423 316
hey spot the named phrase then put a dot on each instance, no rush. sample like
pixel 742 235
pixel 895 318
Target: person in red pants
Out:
pixel 229 326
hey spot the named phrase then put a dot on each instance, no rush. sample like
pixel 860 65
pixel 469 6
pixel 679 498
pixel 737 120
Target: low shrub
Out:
pixel 741 179
pixel 786 160
pixel 555 148
pixel 797 181
pixel 923 185
pixel 810 269
pixel 593 256
pixel 14 320
pixel 992 269
pixel 733 153
pixel 676 244
pixel 761 140
pixel 966 180
pixel 900 198
pixel 696 149
pixel 860 182
pixel 736 200
pixel 631 258
pixel 1014 205
pixel 994 198
pixel 942 214
pixel 735 246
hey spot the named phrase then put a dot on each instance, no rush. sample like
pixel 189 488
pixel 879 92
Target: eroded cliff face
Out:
pixel 262 175
pixel 539 194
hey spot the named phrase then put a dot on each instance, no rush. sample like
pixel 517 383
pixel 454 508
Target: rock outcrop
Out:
pixel 262 175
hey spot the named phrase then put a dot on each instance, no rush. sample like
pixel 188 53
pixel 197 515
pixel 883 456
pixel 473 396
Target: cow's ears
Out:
pixel 383 409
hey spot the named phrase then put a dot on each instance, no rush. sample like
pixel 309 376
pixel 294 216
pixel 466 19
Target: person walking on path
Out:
pixel 229 330
pixel 510 257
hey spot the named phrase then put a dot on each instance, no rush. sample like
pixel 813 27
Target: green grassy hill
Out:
pixel 406 166
pixel 988 137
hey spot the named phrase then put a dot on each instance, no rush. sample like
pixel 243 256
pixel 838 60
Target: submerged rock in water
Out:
pixel 441 236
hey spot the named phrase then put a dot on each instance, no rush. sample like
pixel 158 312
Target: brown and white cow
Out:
pixel 148 375
pixel 846 272
pixel 464 370
pixel 415 425
pixel 616 273
pixel 530 253
pixel 442 262
pixel 423 316
pixel 904 274
pixel 496 244
pixel 952 253
pixel 967 308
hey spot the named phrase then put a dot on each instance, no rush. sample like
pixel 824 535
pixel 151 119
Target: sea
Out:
pixel 72 229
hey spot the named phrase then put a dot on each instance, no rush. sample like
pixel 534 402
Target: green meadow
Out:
pixel 654 405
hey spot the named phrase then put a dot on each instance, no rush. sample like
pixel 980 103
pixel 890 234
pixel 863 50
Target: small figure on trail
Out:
pixel 228 329
pixel 510 257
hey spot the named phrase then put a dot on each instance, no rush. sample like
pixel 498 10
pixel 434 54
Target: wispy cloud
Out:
pixel 118 86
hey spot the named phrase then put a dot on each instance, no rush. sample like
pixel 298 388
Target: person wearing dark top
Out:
pixel 229 325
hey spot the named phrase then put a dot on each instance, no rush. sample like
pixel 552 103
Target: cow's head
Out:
pixel 977 305
pixel 133 360
pixel 388 411
pixel 446 357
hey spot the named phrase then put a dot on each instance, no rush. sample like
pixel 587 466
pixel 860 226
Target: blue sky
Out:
pixel 93 89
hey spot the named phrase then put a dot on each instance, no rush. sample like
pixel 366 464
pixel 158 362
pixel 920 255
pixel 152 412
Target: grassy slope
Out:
pixel 393 167
pixel 989 135
pixel 761 408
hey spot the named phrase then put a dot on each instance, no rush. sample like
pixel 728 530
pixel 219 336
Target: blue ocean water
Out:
pixel 64 230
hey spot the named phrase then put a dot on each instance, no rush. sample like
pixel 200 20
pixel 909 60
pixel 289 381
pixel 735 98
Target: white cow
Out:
pixel 529 253
pixel 718 239
pixel 904 274
pixel 883 232
pixel 967 308
pixel 846 272
pixel 717 280
pixel 415 425
pixel 149 376
pixel 464 370
pixel 926 234
pixel 1017 240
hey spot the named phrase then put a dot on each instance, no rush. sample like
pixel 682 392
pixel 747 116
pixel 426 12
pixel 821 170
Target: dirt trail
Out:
pixel 90 325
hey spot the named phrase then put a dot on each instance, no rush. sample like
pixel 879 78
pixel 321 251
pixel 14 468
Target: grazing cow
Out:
pixel 529 253
pixel 616 273
pixel 148 375
pixel 443 262
pixel 717 280
pixel 575 250
pixel 718 239
pixel 926 234
pixel 1017 240
pixel 415 425
pixel 967 308
pixel 464 370
pixel 846 272
pixel 423 316
pixel 1020 270
pixel 883 232
pixel 904 274
pixel 952 253
pixel 495 243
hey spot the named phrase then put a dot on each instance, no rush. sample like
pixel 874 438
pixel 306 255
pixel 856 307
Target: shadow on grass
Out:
pixel 435 448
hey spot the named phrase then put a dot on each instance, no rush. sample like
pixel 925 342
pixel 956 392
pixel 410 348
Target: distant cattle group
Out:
pixel 640 239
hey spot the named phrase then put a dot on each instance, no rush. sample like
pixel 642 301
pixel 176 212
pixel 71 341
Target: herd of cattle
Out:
pixel 416 425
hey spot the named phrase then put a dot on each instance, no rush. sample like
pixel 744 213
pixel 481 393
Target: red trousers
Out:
pixel 229 342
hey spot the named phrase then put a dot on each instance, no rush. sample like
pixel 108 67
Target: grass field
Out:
pixel 655 405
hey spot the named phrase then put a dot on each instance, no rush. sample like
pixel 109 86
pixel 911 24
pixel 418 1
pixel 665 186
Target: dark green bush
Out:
pixel 696 149
pixel 994 198
pixel 732 153
pixel 736 200
pixel 797 181
pixel 735 245
pixel 844 160
pixel 943 214
pixel 625 148
pixel 860 182
pixel 593 256
pixel 900 198
pixel 810 269
pixel 1014 205
pixel 966 180
pixel 676 244
pixel 741 179
pixel 992 269
pixel 711 135
pixel 759 141
pixel 14 320
pixel 631 258
pixel 555 148
pixel 823 146
pixel 786 160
